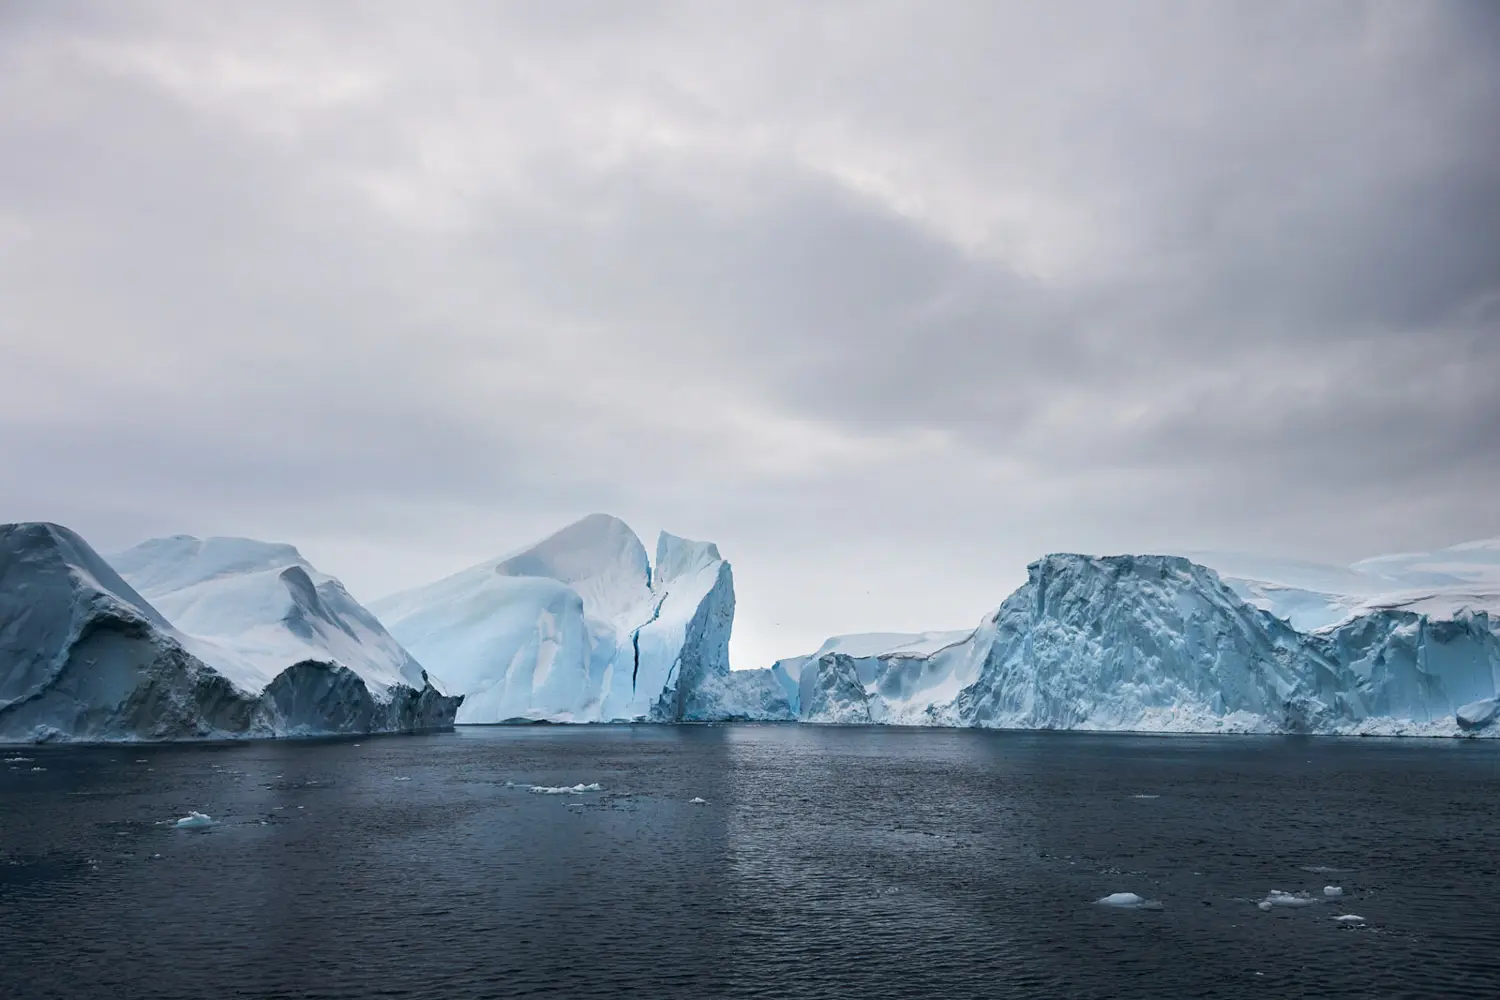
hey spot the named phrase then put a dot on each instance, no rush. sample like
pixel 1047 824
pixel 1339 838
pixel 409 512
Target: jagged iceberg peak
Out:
pixel 84 655
pixel 251 609
pixel 574 628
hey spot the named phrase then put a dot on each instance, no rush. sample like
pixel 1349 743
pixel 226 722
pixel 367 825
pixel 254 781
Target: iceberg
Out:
pixel 84 655
pixel 578 628
pixel 1161 644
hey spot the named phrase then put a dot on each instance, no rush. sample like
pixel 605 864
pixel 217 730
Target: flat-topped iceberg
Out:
pixel 577 628
pixel 1160 644
pixel 84 655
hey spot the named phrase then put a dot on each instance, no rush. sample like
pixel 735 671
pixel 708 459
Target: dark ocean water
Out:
pixel 827 862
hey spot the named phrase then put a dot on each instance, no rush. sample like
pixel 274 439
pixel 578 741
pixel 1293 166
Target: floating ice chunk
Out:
pixel 403 778
pixel 1333 890
pixel 1279 898
pixel 1325 870
pixel 39 769
pixel 1128 901
pixel 195 820
pixel 1145 796
pixel 18 760
pixel 1349 918
pixel 1121 899
pixel 565 789
pixel 1478 714
pixel 696 801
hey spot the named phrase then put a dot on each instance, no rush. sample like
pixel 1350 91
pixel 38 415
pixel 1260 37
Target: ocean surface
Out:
pixel 824 862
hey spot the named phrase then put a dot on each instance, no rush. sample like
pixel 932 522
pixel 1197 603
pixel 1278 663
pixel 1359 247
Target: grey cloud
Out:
pixel 887 300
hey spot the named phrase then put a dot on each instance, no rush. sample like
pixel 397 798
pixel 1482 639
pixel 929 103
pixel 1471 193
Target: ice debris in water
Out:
pixel 39 769
pixel 195 820
pixel 1279 898
pixel 18 760
pixel 578 789
pixel 1324 870
pixel 402 778
pixel 1145 796
pixel 696 801
pixel 1128 901
pixel 1349 918
pixel 1333 890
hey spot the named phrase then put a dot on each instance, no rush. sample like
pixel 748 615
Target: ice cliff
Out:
pixel 1158 643
pixel 577 628
pixel 266 646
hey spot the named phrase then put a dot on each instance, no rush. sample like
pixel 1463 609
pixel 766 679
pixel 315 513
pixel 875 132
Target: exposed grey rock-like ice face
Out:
pixel 83 656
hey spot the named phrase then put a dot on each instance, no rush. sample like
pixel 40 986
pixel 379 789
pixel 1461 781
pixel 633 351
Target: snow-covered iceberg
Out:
pixel 577 628
pixel 1441 584
pixel 1159 643
pixel 84 655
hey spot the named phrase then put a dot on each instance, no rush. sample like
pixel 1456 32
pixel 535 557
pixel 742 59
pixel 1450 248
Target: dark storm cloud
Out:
pixel 887 299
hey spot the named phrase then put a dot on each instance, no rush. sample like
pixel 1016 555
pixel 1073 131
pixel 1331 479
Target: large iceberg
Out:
pixel 577 628
pixel 282 650
pixel 1160 643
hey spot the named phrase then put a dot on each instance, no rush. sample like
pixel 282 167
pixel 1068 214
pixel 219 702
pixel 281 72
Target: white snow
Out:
pixel 1333 890
pixel 578 789
pixel 1439 584
pixel 194 820
pixel 251 609
pixel 575 628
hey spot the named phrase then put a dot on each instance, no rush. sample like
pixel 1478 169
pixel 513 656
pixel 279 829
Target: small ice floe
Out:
pixel 578 789
pixel 403 778
pixel 39 769
pixel 18 760
pixel 156 857
pixel 195 820
pixel 1333 890
pixel 1325 870
pixel 696 801
pixel 1279 898
pixel 1349 918
pixel 1145 796
pixel 1128 901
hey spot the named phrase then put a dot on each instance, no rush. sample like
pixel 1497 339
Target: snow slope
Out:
pixel 1440 584
pixel 1159 643
pixel 575 628
pixel 253 608
pixel 84 655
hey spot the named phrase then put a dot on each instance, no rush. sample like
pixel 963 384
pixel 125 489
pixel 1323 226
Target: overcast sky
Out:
pixel 886 298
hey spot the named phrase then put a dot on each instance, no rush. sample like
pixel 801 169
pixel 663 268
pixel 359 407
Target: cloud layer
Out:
pixel 886 298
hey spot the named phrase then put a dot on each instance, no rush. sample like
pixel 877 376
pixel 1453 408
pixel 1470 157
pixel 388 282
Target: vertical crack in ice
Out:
pixel 635 639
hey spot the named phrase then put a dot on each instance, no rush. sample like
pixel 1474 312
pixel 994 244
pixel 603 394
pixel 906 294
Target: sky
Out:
pixel 887 299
